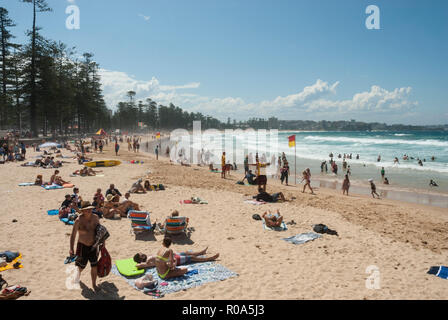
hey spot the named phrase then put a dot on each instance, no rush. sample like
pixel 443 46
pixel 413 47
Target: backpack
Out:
pixel 105 263
pixel 256 217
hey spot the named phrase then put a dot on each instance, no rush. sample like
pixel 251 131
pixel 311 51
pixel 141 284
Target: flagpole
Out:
pixel 295 162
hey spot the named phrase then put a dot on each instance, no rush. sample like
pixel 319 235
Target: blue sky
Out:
pixel 312 60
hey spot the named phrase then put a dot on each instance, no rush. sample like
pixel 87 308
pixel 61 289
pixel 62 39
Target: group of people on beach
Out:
pixel 12 152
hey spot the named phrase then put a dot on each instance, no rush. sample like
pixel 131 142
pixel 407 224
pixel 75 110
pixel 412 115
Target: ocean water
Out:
pixel 314 147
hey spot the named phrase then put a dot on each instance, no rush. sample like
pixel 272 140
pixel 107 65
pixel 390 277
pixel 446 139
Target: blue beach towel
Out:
pixel 53 212
pixel 439 271
pixel 198 274
pixel 302 238
pixel 26 184
pixel 52 187
pixel 66 221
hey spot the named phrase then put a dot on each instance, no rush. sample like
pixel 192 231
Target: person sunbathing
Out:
pixel 266 197
pixel 110 208
pixel 165 262
pixel 273 220
pixel 126 205
pixel 182 258
pixel 137 187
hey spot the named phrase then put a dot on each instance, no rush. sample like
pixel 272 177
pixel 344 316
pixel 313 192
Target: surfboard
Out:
pixel 103 163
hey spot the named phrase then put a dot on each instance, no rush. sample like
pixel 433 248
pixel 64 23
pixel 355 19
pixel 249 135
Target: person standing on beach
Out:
pixel 383 172
pixel 117 147
pixel 246 165
pixel 345 185
pixel 223 165
pixel 307 177
pixel 157 152
pixel 373 188
pixel 85 227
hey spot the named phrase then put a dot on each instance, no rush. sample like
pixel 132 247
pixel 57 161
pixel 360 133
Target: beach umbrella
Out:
pixel 49 145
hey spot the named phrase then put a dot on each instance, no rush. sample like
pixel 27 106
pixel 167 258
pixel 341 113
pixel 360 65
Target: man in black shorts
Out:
pixel 85 227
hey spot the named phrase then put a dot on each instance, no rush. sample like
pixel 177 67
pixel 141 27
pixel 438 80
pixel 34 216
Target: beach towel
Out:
pixel 282 227
pixel 439 271
pixel 67 221
pixel 199 274
pixel 255 202
pixel 26 184
pixel 194 200
pixel 12 263
pixel 53 212
pixel 52 187
pixel 302 238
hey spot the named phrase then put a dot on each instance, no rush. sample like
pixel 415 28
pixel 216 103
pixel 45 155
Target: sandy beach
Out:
pixel 402 240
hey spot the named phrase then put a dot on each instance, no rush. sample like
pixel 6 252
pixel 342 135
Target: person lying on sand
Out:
pixel 273 220
pixel 165 262
pixel 266 197
pixel 180 259
pixel 86 171
pixel 126 205
pixel 137 187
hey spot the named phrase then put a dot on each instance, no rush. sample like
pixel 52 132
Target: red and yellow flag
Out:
pixel 292 141
pixel 158 135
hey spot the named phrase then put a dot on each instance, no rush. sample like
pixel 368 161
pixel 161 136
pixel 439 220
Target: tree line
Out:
pixel 46 87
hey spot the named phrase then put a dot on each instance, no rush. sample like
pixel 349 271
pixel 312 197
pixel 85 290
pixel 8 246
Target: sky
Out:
pixel 295 59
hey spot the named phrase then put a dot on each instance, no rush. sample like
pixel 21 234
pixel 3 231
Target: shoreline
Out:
pixel 397 193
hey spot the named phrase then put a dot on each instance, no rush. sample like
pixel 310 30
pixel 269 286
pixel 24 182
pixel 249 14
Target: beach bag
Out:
pixel 256 217
pixel 105 263
pixel 320 228
pixel 101 234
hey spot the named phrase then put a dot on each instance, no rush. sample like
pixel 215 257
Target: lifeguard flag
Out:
pixel 158 135
pixel 292 141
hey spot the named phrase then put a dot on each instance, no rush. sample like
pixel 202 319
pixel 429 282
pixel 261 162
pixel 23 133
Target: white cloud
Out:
pixel 144 17
pixel 313 99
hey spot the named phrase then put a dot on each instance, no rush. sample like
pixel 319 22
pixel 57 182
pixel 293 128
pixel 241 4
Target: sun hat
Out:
pixel 370 180
pixel 110 197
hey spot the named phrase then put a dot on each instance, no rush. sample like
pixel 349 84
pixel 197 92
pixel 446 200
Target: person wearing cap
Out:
pixel 137 187
pixel 373 188
pixel 84 227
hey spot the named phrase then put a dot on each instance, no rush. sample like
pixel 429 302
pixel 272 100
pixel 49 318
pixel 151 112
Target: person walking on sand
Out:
pixel 117 147
pixel 383 172
pixel 345 185
pixel 157 152
pixel 223 165
pixel 307 177
pixel 373 188
pixel 85 227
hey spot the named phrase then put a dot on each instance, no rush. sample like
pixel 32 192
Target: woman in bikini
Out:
pixel 166 263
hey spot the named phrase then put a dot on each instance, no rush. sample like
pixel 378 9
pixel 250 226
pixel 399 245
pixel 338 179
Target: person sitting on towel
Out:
pixel 182 258
pixel 39 181
pixel 165 262
pixel 266 197
pixel 273 220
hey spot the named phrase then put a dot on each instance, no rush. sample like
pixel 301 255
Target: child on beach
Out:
pixel 307 177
